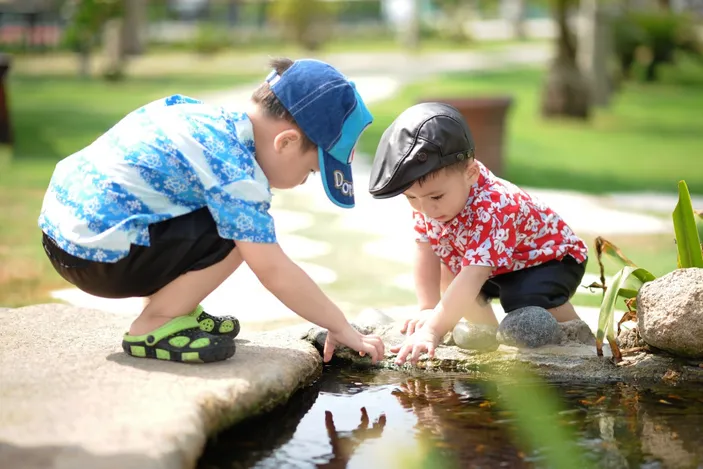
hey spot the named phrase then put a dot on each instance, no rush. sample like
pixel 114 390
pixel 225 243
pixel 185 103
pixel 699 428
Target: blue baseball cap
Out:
pixel 329 110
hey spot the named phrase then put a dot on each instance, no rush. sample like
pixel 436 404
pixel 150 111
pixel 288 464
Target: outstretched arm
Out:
pixel 290 284
pixel 460 299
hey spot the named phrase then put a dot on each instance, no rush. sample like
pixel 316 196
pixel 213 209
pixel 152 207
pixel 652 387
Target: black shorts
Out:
pixel 179 245
pixel 547 285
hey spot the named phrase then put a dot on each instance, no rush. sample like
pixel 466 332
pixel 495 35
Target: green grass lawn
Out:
pixel 648 139
pixel 56 115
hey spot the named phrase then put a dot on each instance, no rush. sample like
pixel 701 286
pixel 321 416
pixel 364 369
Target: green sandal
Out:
pixel 218 325
pixel 180 340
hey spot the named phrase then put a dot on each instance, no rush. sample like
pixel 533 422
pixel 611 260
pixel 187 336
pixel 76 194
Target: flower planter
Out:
pixel 486 119
pixel 5 127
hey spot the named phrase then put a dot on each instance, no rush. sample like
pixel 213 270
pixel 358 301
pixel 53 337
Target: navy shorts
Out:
pixel 179 245
pixel 546 285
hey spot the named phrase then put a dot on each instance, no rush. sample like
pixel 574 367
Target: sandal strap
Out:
pixel 171 328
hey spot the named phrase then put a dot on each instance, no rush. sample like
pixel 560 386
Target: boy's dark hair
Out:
pixel 459 166
pixel 269 103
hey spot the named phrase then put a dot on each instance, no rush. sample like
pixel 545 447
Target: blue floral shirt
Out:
pixel 165 159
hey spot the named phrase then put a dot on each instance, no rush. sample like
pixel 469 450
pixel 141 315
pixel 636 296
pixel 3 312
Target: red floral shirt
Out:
pixel 501 226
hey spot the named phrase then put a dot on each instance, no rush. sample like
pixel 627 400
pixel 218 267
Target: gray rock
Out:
pixel 372 317
pixel 70 397
pixel 670 312
pixel 576 331
pixel 478 337
pixel 529 327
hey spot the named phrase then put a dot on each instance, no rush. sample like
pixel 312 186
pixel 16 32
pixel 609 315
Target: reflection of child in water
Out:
pixel 462 422
pixel 345 443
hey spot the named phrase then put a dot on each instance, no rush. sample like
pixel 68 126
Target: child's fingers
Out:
pixel 328 351
pixel 396 348
pixel 430 350
pixel 417 351
pixel 411 326
pixel 404 327
pixel 402 354
pixel 368 347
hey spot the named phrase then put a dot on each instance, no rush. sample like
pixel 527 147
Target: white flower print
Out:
pixel 244 222
pixel 175 185
pixel 499 238
pixel 462 236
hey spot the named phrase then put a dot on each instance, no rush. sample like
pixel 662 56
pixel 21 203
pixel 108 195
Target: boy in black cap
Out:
pixel 479 237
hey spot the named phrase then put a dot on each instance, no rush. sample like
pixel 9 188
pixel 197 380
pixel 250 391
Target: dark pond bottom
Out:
pixel 387 419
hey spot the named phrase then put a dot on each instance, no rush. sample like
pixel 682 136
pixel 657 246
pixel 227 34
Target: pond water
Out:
pixel 391 419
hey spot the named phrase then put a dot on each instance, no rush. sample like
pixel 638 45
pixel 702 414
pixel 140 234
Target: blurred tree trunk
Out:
pixel 233 12
pixel 411 36
pixel 135 26
pixel 595 48
pixel 84 61
pixel 113 49
pixel 519 19
pixel 514 11
pixel 566 91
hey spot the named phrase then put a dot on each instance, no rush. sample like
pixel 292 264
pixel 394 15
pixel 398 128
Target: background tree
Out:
pixel 566 91
pixel 304 21
pixel 87 19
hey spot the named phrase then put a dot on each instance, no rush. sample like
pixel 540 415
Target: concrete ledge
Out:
pixel 71 398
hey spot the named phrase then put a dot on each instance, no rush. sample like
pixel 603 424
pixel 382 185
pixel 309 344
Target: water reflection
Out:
pixel 385 419
pixel 345 443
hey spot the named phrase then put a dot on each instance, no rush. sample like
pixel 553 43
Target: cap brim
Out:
pixel 387 194
pixel 337 180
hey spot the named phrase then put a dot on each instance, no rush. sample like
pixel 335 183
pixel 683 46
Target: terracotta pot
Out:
pixel 5 127
pixel 486 119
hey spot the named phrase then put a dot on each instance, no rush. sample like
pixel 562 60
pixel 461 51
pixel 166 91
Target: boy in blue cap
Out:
pixel 170 201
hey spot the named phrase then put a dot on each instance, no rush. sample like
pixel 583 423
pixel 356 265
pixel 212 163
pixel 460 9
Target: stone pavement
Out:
pixel 71 398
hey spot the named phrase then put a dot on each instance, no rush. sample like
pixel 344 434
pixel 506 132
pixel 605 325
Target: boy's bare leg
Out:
pixel 482 314
pixel 565 312
pixel 184 294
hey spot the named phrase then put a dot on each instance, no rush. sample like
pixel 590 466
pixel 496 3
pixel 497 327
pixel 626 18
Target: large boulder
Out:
pixel 69 396
pixel 670 313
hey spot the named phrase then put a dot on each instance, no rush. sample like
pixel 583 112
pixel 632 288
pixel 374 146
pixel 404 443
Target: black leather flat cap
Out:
pixel 424 138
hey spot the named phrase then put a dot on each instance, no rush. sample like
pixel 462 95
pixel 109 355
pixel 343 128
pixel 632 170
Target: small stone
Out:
pixel 529 327
pixel 477 337
pixel 372 317
pixel 576 331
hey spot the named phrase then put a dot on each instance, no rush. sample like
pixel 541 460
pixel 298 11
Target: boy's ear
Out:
pixel 283 141
pixel 472 169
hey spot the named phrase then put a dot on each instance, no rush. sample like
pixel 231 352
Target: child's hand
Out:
pixel 423 340
pixel 371 344
pixel 415 323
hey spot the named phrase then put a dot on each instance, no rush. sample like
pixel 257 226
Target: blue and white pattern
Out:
pixel 165 159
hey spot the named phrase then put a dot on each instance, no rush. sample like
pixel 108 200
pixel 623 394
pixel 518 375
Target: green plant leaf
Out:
pixel 699 225
pixel 603 246
pixel 627 293
pixel 688 242
pixel 606 329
